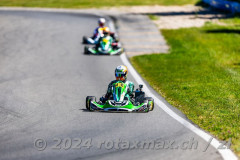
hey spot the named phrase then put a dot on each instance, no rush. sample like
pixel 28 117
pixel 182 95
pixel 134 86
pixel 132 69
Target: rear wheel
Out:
pixel 84 40
pixel 88 101
pixel 86 50
pixel 121 51
pixel 146 101
pixel 150 103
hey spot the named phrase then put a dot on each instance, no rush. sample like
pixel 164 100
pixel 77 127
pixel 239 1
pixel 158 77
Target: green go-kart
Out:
pixel 120 101
pixel 105 47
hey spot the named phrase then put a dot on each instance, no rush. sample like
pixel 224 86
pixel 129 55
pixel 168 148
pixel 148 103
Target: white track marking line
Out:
pixel 227 154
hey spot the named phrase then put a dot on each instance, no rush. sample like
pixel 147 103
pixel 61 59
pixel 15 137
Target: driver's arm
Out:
pixel 130 88
pixel 109 90
pixel 95 32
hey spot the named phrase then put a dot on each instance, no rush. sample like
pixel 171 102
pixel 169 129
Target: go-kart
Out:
pixel 104 47
pixel 120 101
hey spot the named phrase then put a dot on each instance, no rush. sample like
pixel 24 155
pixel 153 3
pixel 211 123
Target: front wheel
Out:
pixel 150 103
pixel 88 102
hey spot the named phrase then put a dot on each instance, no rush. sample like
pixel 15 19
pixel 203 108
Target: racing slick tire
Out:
pixel 84 40
pixel 150 103
pixel 86 50
pixel 88 101
pixel 146 101
pixel 120 52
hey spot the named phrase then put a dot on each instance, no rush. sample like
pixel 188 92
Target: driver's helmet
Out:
pixel 101 22
pixel 121 73
pixel 106 31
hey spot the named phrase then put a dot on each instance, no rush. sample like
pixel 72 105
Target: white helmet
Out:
pixel 101 21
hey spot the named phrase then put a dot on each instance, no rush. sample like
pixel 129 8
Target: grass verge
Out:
pixel 201 76
pixel 90 3
pixel 153 17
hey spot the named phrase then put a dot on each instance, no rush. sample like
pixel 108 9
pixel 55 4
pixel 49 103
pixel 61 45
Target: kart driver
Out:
pixel 121 75
pixel 98 31
pixel 97 34
pixel 107 36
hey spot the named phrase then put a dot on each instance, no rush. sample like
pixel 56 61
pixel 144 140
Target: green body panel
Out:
pixel 94 51
pixel 129 106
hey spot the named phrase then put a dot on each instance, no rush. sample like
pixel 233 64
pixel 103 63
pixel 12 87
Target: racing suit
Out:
pixel 108 38
pixel 130 89
pixel 96 35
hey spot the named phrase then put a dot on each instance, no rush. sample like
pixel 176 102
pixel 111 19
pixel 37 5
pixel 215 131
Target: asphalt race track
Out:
pixel 44 80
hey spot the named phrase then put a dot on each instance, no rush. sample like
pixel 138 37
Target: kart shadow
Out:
pixel 236 31
pixel 84 110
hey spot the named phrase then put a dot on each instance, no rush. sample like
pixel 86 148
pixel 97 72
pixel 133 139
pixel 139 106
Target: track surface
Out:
pixel 44 79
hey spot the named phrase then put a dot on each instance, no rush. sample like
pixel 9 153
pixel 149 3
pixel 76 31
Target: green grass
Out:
pixel 201 76
pixel 90 3
pixel 153 17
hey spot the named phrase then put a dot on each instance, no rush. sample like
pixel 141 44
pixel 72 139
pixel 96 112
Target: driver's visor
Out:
pixel 120 75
